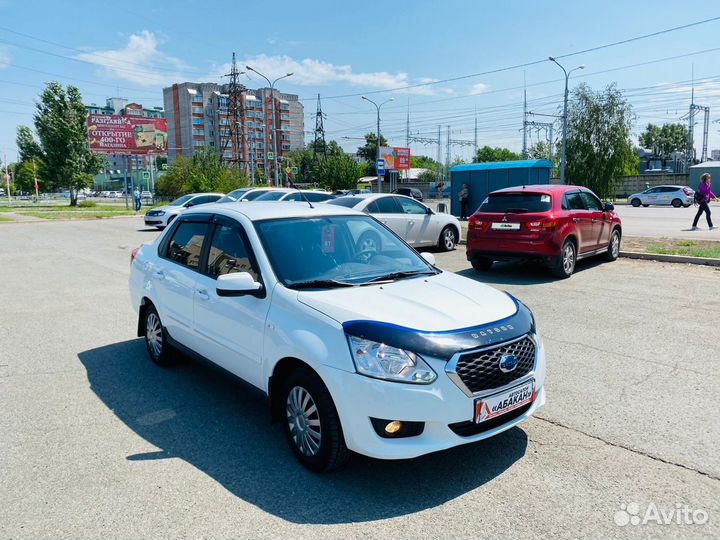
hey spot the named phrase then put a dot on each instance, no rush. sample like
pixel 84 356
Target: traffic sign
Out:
pixel 294 170
pixel 380 166
pixel 146 175
pixel 270 155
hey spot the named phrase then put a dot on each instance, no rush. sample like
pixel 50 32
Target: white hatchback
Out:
pixel 411 220
pixel 376 352
pixel 677 196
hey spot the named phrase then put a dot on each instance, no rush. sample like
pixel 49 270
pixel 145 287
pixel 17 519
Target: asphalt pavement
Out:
pixel 668 222
pixel 97 442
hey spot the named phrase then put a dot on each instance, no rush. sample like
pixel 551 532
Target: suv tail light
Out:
pixel 133 255
pixel 537 226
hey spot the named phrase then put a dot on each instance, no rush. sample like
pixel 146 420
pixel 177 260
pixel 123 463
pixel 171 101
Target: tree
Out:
pixel 369 151
pixel 28 148
pixel 337 172
pixel 599 150
pixel 429 176
pixel 26 173
pixel 539 150
pixel 60 125
pixel 665 140
pixel 489 154
pixel 201 173
pixel 424 162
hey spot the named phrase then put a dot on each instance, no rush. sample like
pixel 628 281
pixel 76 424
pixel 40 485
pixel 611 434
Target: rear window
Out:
pixel 516 203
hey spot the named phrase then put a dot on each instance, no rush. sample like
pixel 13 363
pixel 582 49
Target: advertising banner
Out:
pixel 110 134
pixel 397 159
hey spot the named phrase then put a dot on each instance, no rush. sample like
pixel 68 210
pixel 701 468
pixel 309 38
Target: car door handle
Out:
pixel 202 294
pixel 159 275
pixel 594 220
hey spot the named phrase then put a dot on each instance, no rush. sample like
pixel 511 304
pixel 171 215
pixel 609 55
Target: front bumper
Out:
pixel 438 405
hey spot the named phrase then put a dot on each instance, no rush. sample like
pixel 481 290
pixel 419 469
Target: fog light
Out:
pixel 393 427
pixel 396 429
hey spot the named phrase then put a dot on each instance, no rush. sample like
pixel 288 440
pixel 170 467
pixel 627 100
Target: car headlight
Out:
pixel 382 361
pixel 160 213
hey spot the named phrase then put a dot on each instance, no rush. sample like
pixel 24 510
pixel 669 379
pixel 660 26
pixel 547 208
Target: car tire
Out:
pixel 368 241
pixel 170 220
pixel 635 203
pixel 645 205
pixel 482 264
pixel 448 239
pixel 677 203
pixel 156 339
pixel 613 251
pixel 565 263
pixel 311 422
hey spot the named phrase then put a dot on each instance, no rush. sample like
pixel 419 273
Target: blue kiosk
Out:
pixel 482 178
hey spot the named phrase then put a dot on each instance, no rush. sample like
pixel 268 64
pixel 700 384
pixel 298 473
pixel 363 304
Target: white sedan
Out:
pixel 162 216
pixel 379 353
pixel 417 224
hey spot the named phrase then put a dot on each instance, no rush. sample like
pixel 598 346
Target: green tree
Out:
pixel 424 162
pixel 203 172
pixel 338 172
pixel 665 140
pixel 172 183
pixel 539 150
pixel 489 154
pixel 430 176
pixel 25 175
pixel 60 126
pixel 368 151
pixel 28 147
pixel 599 150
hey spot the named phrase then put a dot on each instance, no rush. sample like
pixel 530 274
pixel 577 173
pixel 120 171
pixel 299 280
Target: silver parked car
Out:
pixel 411 220
pixel 676 196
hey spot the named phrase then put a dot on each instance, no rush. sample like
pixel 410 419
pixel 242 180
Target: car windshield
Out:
pixel 182 200
pixel 337 251
pixel 268 196
pixel 347 202
pixel 515 203
pixel 233 195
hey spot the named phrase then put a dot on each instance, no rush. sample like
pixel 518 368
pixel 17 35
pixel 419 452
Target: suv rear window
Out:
pixel 516 203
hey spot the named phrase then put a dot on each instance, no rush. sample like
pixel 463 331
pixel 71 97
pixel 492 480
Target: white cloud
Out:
pixel 138 61
pixel 4 57
pixel 479 88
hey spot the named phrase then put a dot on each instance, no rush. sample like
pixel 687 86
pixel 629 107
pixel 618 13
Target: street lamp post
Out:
pixel 377 154
pixel 564 138
pixel 272 96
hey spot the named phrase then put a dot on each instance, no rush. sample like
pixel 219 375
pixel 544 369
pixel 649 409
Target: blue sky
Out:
pixel 134 48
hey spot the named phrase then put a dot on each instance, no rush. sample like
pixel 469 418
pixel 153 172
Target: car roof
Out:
pixel 261 210
pixel 198 194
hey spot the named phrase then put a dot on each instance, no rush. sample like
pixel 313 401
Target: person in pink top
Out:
pixel 706 195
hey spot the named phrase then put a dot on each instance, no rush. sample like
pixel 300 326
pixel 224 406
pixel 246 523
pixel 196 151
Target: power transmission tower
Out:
pixel 236 114
pixel 319 139
pixel 525 124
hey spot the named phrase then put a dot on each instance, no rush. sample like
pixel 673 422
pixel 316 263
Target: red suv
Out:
pixel 555 224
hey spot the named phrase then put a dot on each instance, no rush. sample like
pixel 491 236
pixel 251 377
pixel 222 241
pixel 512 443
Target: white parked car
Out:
pixel 379 353
pixel 247 194
pixel 162 216
pixel 676 196
pixel 411 220
pixel 294 195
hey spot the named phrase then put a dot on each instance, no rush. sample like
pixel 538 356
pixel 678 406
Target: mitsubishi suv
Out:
pixel 358 348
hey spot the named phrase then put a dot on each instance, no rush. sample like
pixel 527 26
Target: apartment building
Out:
pixel 198 116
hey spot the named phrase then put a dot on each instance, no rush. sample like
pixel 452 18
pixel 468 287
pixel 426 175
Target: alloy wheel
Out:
pixel 303 420
pixel 449 239
pixel 615 246
pixel 153 334
pixel 568 258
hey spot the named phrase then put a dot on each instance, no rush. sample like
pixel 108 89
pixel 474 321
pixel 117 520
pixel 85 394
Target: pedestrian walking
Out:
pixel 138 200
pixel 703 197
pixel 463 198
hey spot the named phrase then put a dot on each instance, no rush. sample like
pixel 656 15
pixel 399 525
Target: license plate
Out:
pixel 503 226
pixel 504 402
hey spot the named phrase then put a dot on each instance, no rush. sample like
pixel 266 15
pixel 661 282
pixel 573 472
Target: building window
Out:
pixel 284 117
pixel 197 110
pixel 197 121
pixel 198 144
pixel 199 132
pixel 286 147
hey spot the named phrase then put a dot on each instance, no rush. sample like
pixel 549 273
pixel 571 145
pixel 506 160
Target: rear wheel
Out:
pixel 156 340
pixel 311 422
pixel 448 239
pixel 613 251
pixel 482 264
pixel 677 203
pixel 635 202
pixel 565 263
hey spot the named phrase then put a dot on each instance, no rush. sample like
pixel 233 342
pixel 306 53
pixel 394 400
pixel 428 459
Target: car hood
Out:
pixel 168 208
pixel 440 303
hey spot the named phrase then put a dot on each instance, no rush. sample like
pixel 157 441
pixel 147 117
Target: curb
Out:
pixel 683 259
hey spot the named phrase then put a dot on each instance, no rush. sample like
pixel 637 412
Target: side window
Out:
pixel 384 205
pixel 591 201
pixel 229 253
pixel 212 198
pixel 317 197
pixel 411 207
pixel 185 247
pixel 197 200
pixel 293 197
pixel 573 201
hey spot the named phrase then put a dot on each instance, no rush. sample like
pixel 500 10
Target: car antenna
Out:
pixel 292 185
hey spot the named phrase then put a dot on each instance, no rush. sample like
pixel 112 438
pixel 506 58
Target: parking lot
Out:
pixel 96 441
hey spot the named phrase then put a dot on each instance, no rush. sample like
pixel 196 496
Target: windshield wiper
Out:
pixel 516 210
pixel 320 284
pixel 401 275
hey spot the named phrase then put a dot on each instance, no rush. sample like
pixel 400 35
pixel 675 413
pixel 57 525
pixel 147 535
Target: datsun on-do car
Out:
pixel 359 349
pixel 557 225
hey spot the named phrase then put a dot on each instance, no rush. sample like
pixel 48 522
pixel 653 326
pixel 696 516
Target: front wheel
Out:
pixel 481 264
pixel 565 263
pixel 312 424
pixel 613 251
pixel 448 239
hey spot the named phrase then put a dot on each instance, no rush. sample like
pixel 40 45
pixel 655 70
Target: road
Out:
pixel 668 222
pixel 96 442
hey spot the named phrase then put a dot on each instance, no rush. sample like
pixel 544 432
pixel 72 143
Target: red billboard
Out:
pixel 397 159
pixel 110 134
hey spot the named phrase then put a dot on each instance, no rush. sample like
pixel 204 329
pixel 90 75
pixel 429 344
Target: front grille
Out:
pixel 470 428
pixel 480 370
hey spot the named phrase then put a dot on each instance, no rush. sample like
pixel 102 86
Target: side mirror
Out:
pixel 238 284
pixel 429 257
pixel 188 204
pixel 429 211
pixel 609 207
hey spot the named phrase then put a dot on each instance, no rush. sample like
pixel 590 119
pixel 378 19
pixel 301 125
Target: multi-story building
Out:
pixel 199 117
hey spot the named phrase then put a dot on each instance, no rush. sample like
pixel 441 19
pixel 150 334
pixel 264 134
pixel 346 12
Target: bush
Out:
pixel 87 204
